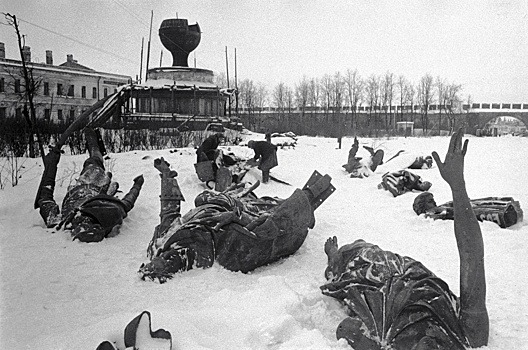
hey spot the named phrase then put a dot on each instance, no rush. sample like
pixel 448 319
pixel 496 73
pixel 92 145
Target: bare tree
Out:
pixel 411 99
pixel 327 89
pixel 302 97
pixel 401 84
pixel 338 92
pixel 469 103
pixel 426 98
pixel 247 95
pixel 314 100
pixel 261 96
pixel 354 89
pixel 30 85
pixel 387 95
pixel 379 93
pixel 279 96
pixel 441 91
pixel 279 100
pixel 315 93
pixel 289 99
pixel 220 80
pixel 453 103
pixel 372 92
pixel 289 106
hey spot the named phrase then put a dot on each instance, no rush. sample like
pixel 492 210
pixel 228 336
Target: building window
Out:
pixel 18 113
pixel 59 89
pixel 105 92
pixel 46 88
pixel 83 91
pixel 47 114
pixel 17 85
pixel 2 85
pixel 72 115
pixel 94 92
pixel 71 90
pixel 2 112
pixel 59 114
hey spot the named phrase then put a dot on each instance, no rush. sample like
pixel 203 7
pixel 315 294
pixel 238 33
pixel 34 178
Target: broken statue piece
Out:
pixel 138 335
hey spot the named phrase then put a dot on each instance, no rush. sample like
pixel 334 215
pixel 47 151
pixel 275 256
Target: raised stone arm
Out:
pixel 473 312
pixel 130 198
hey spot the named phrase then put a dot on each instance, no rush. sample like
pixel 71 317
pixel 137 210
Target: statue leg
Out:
pixel 93 146
pixel 377 159
pixel 318 188
pixel 170 201
pixel 265 175
pixel 48 208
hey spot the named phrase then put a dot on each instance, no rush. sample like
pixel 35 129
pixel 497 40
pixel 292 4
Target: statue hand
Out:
pixel 331 246
pixel 139 180
pixel 452 169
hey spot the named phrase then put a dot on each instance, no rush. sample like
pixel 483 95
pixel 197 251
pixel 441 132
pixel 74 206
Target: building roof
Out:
pixel 75 65
pixel 63 68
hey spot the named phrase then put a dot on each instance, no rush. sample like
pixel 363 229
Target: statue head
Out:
pixel 86 229
pixel 429 161
pixel 423 202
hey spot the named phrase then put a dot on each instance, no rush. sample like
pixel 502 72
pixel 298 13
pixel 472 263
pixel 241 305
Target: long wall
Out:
pixel 366 124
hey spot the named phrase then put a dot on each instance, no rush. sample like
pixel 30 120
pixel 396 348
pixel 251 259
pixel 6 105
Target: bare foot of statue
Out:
pixel 164 167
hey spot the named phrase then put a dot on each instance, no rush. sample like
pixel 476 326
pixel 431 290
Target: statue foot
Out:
pixel 164 168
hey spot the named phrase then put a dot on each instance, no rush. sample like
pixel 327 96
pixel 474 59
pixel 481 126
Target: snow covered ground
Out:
pixel 59 294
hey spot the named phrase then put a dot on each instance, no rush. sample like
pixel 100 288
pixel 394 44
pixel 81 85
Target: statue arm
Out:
pixel 473 312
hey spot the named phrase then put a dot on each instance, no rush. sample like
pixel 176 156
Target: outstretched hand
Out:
pixel 452 169
pixel 331 246
pixel 139 180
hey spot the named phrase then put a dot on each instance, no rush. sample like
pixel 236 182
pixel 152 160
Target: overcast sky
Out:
pixel 482 45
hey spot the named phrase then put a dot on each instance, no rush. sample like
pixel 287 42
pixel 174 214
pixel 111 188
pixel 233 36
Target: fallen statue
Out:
pixel 504 211
pixel 235 228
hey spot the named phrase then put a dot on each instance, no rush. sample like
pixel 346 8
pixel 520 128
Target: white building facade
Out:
pixel 62 91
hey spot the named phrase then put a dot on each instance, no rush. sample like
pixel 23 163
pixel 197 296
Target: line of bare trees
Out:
pixel 386 99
